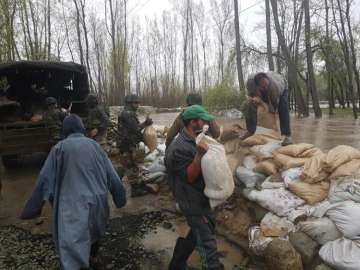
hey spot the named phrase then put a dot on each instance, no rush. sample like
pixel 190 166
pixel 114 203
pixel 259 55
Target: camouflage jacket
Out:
pixel 54 118
pixel 97 118
pixel 129 130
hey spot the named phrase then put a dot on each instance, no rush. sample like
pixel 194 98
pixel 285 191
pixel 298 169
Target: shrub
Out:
pixel 222 96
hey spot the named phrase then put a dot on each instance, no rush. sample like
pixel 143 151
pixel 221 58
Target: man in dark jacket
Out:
pixel 130 135
pixel 269 91
pixel 53 117
pixel 178 125
pixel 183 163
pixel 97 121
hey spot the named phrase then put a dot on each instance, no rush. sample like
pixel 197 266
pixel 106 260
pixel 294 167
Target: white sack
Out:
pixel 248 177
pixel 249 162
pixel 346 216
pixel 348 188
pixel 279 201
pixel 219 182
pixel 265 150
pixel 291 175
pixel 341 254
pixel 274 226
pixel 267 184
pixel 156 166
pixel 322 230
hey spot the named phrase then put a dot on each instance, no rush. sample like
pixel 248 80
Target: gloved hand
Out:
pixel 148 121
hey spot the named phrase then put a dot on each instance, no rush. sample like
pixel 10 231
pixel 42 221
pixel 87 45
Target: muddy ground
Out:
pixel 142 234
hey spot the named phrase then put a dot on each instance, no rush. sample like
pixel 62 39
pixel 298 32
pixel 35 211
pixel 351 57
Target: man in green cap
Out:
pixel 183 163
pixel 178 125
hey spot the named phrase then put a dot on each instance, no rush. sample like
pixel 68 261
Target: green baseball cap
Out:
pixel 197 112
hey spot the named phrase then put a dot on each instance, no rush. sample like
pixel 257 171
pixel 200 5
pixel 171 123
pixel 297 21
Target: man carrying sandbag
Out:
pixel 130 135
pixel 183 163
pixel 178 125
pixel 269 91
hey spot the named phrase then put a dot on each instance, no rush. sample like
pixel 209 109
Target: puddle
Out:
pixel 161 241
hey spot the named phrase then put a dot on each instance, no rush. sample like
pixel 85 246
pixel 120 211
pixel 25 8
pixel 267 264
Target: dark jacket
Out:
pixel 129 130
pixel 97 118
pixel 178 157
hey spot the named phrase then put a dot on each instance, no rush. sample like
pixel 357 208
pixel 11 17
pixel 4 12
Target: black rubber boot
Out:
pixel 182 252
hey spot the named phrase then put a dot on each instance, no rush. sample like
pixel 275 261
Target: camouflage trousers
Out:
pixel 102 140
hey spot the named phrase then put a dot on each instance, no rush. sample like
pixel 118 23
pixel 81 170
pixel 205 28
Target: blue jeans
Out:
pixel 283 110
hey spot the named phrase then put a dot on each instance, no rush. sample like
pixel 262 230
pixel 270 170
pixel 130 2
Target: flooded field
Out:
pixel 153 241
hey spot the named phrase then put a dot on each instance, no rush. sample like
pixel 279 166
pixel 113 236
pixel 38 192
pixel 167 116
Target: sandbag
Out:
pixel 346 216
pixel 234 161
pixel 257 241
pixel 313 169
pixel 311 193
pixel 322 230
pixel 279 201
pixel 248 177
pixel 340 155
pixel 249 162
pixel 311 152
pixel 219 182
pixel 258 139
pixel 266 119
pixel 347 169
pixel 265 151
pixel 231 133
pixel 274 226
pixel 288 162
pixel 344 189
pixel 156 166
pixel 295 150
pixel 341 254
pixel 150 138
pixel 232 146
pixel 270 184
pixel 291 175
pixel 266 167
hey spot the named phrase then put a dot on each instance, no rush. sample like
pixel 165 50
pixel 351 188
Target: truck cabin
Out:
pixel 25 85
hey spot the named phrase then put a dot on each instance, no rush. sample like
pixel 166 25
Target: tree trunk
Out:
pixel 238 49
pixel 353 51
pixel 185 46
pixel 347 62
pixel 292 70
pixel 309 58
pixel 268 35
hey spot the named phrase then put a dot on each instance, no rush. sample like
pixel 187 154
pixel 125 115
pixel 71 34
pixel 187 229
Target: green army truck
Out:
pixel 24 86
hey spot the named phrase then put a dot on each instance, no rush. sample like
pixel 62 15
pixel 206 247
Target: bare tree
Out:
pixel 268 36
pixel 238 49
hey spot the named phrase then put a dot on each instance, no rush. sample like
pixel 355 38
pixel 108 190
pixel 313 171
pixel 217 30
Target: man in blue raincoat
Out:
pixel 76 179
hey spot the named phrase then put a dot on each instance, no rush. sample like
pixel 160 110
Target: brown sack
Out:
pixel 288 162
pixel 266 119
pixel 340 155
pixel 266 167
pixel 257 139
pixel 311 193
pixel 311 153
pixel 351 168
pixel 313 170
pixel 232 146
pixel 295 150
pixel 150 138
pixel 231 133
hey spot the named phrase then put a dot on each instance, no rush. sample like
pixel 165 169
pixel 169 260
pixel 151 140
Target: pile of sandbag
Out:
pixel 307 190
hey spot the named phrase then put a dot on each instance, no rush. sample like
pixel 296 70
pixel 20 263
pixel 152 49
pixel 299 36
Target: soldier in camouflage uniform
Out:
pixel 97 121
pixel 53 117
pixel 130 135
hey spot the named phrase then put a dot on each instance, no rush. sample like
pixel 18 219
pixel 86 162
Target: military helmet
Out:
pixel 92 100
pixel 132 99
pixel 193 99
pixel 50 101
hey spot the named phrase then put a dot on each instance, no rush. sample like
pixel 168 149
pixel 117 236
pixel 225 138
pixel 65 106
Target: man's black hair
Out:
pixel 187 122
pixel 259 76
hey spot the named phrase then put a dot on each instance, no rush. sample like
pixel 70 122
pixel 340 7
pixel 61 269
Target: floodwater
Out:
pixel 18 184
